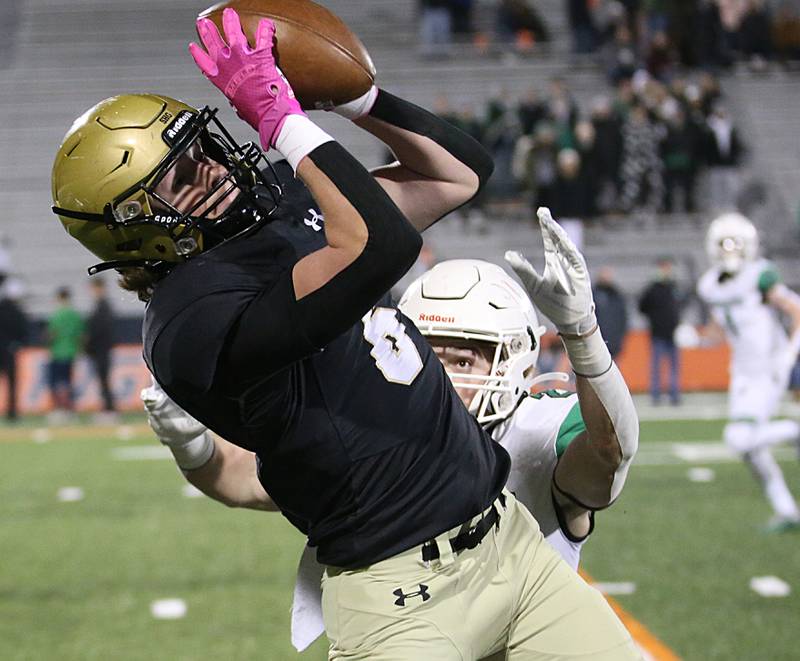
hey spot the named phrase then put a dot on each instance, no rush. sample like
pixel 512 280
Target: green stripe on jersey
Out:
pixel 768 279
pixel 572 426
pixel 555 393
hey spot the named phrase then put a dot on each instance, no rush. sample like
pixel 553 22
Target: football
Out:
pixel 326 64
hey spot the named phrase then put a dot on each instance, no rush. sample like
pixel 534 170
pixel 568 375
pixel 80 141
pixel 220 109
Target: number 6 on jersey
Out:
pixel 395 354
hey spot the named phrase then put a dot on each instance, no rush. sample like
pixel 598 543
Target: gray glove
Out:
pixel 563 293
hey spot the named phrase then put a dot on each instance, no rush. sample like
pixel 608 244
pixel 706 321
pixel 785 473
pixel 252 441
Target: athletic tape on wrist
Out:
pixel 588 355
pixel 358 107
pixel 613 393
pixel 299 136
pixel 193 454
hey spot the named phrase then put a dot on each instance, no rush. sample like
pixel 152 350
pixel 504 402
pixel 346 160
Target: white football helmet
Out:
pixel 476 300
pixel 731 241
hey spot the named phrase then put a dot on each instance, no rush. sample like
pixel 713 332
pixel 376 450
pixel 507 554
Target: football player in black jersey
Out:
pixel 267 321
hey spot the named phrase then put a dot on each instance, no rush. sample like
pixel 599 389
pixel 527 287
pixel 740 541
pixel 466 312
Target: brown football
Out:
pixel 324 61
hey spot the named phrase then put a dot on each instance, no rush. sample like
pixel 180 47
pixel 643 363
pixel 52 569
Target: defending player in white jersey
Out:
pixel 570 451
pixel 746 297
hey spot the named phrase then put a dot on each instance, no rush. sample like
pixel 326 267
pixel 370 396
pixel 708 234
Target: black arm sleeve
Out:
pixel 276 329
pixel 405 115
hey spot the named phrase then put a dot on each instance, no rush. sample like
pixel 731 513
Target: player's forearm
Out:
pixel 337 285
pixel 230 477
pixel 600 430
pixel 611 420
pixel 439 166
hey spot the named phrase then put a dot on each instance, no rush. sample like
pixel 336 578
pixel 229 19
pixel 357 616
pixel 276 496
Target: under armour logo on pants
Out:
pixel 401 597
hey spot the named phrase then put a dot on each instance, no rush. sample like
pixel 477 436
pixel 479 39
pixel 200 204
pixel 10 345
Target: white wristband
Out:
pixel 299 136
pixel 589 355
pixel 193 454
pixel 358 107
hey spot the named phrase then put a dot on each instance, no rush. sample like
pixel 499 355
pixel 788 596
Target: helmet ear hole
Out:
pixel 160 247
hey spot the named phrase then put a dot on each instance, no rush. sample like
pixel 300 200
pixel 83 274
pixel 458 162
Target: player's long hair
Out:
pixel 139 280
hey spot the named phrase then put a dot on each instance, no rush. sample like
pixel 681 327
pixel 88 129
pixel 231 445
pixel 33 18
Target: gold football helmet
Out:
pixel 108 173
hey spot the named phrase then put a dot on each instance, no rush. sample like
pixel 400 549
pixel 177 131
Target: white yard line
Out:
pixel 770 586
pixel 703 410
pixel 141 452
pixel 698 452
pixel 623 587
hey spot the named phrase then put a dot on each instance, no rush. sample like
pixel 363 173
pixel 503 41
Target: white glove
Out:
pixel 188 439
pixel 563 293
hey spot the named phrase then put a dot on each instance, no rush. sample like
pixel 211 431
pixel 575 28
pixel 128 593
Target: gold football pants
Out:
pixel 512 597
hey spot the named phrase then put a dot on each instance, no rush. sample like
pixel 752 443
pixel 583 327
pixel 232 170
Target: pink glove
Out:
pixel 248 77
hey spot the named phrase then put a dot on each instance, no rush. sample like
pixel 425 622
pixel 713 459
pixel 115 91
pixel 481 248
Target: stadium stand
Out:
pixel 69 54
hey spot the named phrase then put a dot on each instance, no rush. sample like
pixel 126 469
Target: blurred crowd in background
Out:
pixel 662 33
pixel 642 147
pixel 67 334
pixel 660 139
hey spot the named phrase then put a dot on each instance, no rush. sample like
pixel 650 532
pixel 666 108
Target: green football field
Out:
pixel 79 570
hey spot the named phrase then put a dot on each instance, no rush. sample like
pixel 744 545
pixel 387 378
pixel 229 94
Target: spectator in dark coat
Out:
pixel 530 111
pixel 100 341
pixel 611 310
pixel 723 154
pixel 660 302
pixel 755 33
pixel 608 153
pixel 572 199
pixel 679 151
pixel 585 144
pixel 707 39
pixel 13 333
pixel 584 31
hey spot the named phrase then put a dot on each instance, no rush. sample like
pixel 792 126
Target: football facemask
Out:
pixel 141 180
pixel 731 241
pixel 466 299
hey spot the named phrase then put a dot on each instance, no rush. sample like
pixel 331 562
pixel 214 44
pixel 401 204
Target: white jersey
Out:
pixel 757 338
pixel 535 436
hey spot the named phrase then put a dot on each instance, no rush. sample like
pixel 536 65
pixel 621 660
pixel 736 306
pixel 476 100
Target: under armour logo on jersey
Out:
pixel 401 596
pixel 315 220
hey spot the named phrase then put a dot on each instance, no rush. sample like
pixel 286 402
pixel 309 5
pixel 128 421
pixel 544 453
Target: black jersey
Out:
pixel 362 442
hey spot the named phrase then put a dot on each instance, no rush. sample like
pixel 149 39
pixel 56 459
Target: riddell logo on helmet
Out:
pixel 436 317
pixel 174 130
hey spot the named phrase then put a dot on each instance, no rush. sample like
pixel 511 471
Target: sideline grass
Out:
pixel 692 548
pixel 77 579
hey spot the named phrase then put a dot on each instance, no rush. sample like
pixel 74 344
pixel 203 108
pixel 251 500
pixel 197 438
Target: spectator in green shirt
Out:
pixel 65 330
